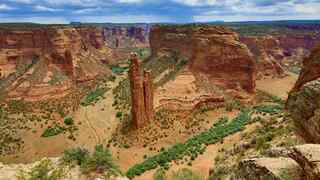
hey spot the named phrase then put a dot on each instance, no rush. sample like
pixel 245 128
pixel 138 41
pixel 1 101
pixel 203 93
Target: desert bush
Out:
pixel 99 161
pixel 185 174
pixel 44 170
pixel 53 131
pixel 160 174
pixel 193 146
pixel 75 156
pixel 93 96
pixel 232 104
pixel 119 114
pixel 269 109
pixel 68 121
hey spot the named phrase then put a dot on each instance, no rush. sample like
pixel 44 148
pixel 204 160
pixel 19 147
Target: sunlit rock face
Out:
pixel 141 93
pixel 276 53
pixel 214 51
pixel 76 54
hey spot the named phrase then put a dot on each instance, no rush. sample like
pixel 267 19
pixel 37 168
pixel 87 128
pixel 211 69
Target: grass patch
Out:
pixel 93 96
pixel 194 146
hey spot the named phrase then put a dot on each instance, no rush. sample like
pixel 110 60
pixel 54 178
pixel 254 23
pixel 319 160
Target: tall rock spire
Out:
pixel 141 93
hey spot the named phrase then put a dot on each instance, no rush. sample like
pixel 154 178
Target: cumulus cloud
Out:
pixel 162 10
pixel 44 8
pixel 4 7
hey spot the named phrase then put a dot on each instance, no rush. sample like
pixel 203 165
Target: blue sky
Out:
pixel 129 11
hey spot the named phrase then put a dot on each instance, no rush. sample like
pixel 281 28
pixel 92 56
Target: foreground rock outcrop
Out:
pixel 304 100
pixel 299 163
pixel 214 51
pixel 11 172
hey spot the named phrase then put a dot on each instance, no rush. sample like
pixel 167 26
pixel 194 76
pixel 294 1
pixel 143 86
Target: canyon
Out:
pixel 210 98
pixel 39 63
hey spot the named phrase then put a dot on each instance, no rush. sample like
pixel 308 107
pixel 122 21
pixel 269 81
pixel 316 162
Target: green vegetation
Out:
pixel 68 121
pixel 269 109
pixel 160 174
pixel 53 131
pixel 57 78
pixel 118 70
pixel 99 161
pixel 171 65
pixel 45 170
pixel 232 104
pixel 194 146
pixel 182 174
pixel 93 96
pixel 185 174
pixel 119 114
pixel 143 53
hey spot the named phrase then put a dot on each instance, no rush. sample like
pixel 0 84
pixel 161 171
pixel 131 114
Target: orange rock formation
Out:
pixel 211 50
pixel 141 94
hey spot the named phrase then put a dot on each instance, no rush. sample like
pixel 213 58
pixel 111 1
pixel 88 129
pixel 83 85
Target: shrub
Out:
pixel 100 161
pixel 193 146
pixel 68 121
pixel 269 109
pixel 45 170
pixel 93 96
pixel 185 174
pixel 119 114
pixel 53 131
pixel 160 174
pixel 77 156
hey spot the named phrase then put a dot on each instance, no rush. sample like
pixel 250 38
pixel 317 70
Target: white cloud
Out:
pixel 87 10
pixel 42 20
pixel 44 8
pixel 308 8
pixel 197 2
pixel 22 1
pixel 124 19
pixel 129 1
pixel 4 7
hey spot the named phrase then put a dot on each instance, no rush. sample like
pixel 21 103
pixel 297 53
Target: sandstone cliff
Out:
pixel 303 102
pixel 38 59
pixel 214 51
pixel 276 53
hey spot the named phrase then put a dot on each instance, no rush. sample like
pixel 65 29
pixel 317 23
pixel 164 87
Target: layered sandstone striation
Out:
pixel 124 37
pixel 304 102
pixel 276 53
pixel 211 50
pixel 141 93
pixel 49 58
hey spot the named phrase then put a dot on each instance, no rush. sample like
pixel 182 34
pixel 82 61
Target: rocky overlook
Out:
pixel 211 50
pixel 303 102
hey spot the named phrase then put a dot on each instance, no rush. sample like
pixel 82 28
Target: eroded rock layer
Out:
pixel 141 93
pixel 276 53
pixel 44 59
pixel 211 50
pixel 304 100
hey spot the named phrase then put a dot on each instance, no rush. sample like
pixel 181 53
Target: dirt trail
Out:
pixel 100 120
pixel 278 87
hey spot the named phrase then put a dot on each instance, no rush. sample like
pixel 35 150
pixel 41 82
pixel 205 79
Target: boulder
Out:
pixel 268 168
